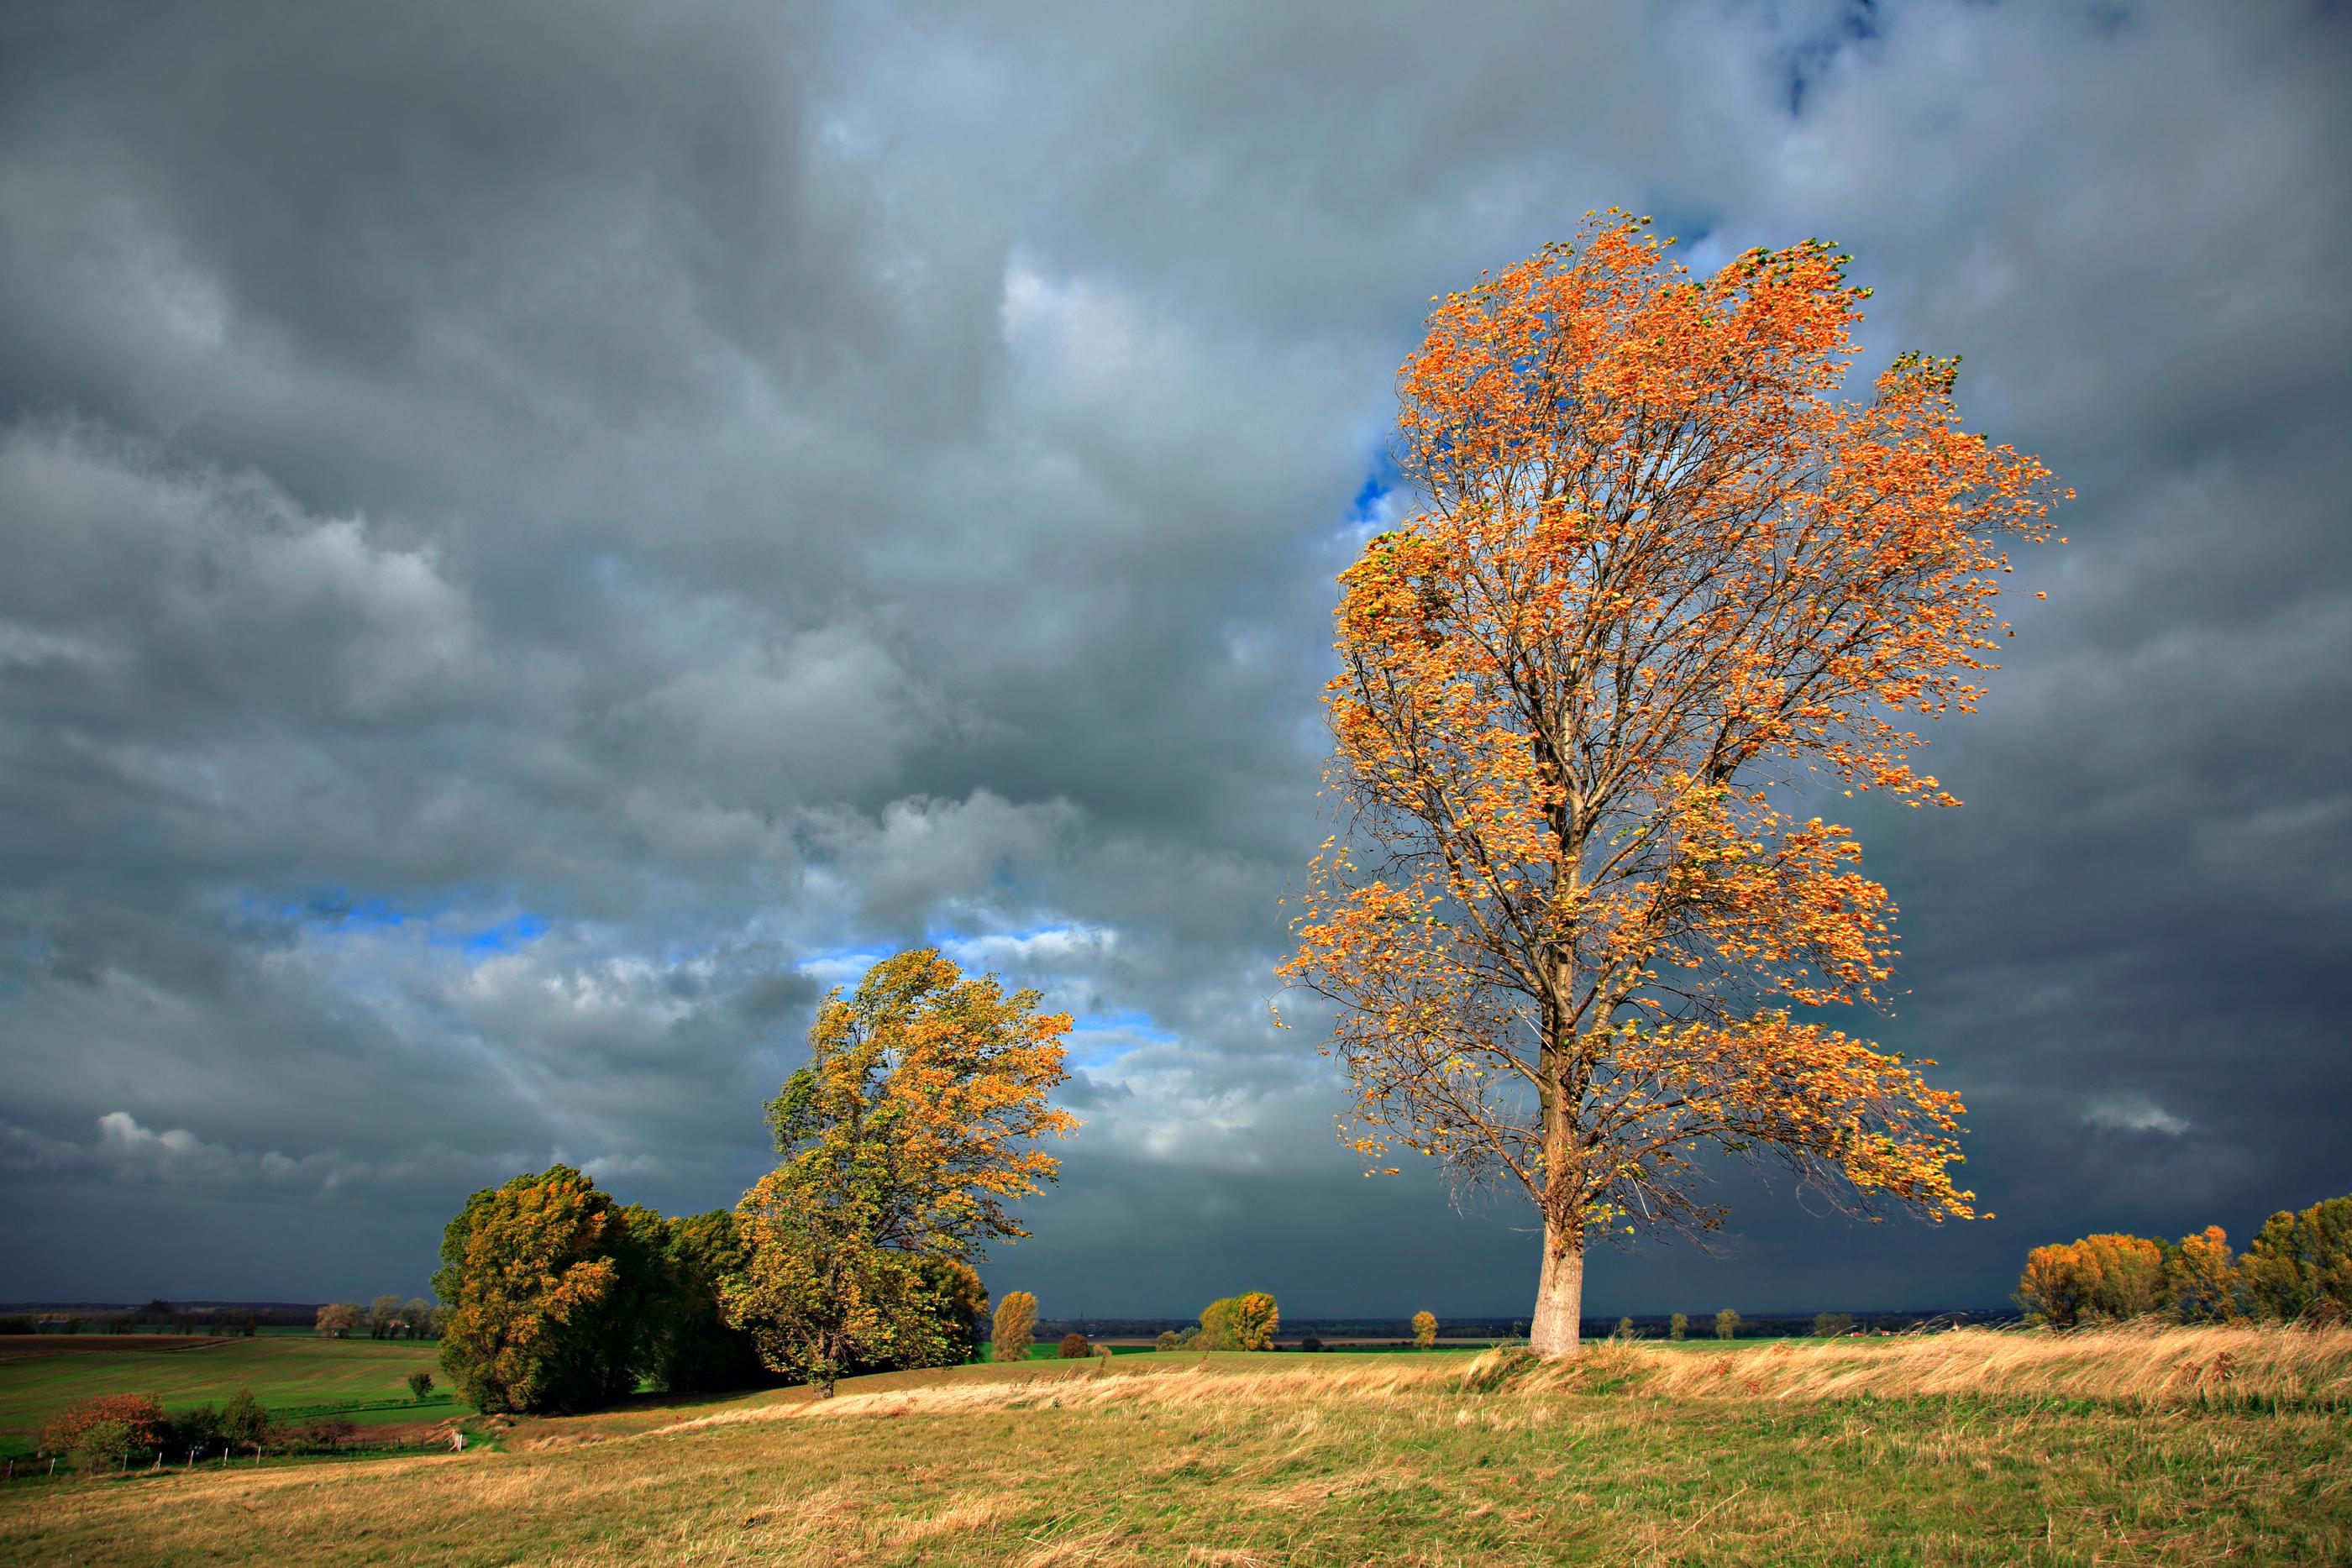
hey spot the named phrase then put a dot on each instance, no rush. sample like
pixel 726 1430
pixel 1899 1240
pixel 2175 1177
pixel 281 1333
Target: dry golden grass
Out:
pixel 1966 1448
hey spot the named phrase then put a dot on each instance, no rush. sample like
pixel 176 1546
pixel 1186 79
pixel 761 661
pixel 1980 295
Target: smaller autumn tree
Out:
pixel 1624 1334
pixel 909 1135
pixel 1425 1330
pixel 1016 1324
pixel 337 1319
pixel 1727 1324
pixel 552 1289
pixel 1169 1340
pixel 2299 1266
pixel 1679 1327
pixel 383 1317
pixel 950 1292
pixel 132 1418
pixel 1074 1346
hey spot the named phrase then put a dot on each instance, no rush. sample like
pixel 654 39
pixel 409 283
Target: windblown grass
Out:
pixel 1962 1449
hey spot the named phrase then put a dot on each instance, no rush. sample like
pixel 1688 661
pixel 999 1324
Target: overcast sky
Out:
pixel 536 537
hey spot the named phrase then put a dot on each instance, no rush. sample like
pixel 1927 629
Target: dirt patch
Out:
pixel 30 1346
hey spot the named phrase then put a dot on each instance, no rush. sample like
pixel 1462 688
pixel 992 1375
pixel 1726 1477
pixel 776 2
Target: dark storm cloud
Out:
pixel 540 537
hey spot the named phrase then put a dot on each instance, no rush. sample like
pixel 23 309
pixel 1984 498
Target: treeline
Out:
pixel 905 1142
pixel 2298 1269
pixel 115 1430
pixel 386 1317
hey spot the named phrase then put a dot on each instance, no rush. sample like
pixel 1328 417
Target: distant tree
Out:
pixel 1831 1325
pixel 1624 1334
pixel 420 1386
pixel 2202 1282
pixel 133 1416
pixel 1425 1330
pixel 1169 1340
pixel 1017 1321
pixel 337 1319
pixel 2104 1277
pixel 1075 1346
pixel 383 1317
pixel 416 1315
pixel 1727 1324
pixel 251 1326
pixel 553 1293
pixel 1679 1327
pixel 2299 1266
pixel 243 1422
pixel 71 1325
pixel 1309 1343
pixel 1255 1321
pixel 909 1135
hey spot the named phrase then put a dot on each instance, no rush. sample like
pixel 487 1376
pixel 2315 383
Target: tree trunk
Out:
pixel 1560 1294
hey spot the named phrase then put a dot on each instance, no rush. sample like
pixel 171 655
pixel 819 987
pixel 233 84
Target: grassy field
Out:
pixel 2175 1447
pixel 364 1381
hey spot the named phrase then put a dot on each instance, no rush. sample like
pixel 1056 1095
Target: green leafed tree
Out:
pixel 1679 1327
pixel 552 1294
pixel 1727 1324
pixel 2299 1266
pixel 693 1346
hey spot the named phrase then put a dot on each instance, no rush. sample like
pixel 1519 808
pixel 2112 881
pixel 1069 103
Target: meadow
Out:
pixel 2128 1446
pixel 362 1381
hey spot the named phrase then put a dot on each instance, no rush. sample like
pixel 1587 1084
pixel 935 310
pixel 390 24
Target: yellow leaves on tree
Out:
pixel 1664 583
pixel 1425 1330
pixel 906 1139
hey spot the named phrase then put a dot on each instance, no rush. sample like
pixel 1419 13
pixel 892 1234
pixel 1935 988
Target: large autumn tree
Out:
pixel 1665 588
pixel 906 1141
pixel 552 1294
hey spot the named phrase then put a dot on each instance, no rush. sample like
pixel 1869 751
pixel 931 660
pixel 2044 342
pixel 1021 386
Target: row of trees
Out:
pixel 114 1429
pixel 386 1317
pixel 905 1143
pixel 2298 1269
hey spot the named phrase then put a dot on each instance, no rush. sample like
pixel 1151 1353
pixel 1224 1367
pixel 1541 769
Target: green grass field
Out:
pixel 2179 1447
pixel 297 1378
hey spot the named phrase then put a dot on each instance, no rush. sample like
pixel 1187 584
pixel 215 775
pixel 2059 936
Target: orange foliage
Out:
pixel 1664 581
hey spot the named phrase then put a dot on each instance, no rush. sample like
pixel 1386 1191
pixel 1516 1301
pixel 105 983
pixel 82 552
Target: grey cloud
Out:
pixel 532 540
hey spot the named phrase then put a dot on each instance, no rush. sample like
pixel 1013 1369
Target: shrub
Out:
pixel 1246 1322
pixel 243 1422
pixel 1169 1340
pixel 1727 1324
pixel 328 1432
pixel 141 1417
pixel 103 1444
pixel 1425 1329
pixel 1016 1322
pixel 1678 1326
pixel 1074 1346
pixel 420 1383
pixel 1310 1343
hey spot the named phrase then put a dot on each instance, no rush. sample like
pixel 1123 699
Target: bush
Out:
pixel 1074 1346
pixel 141 1417
pixel 328 1432
pixel 420 1383
pixel 244 1423
pixel 1311 1343
pixel 104 1444
pixel 1246 1322
pixel 1169 1340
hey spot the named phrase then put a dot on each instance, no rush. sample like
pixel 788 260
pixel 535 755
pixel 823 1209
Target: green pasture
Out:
pixel 296 1378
